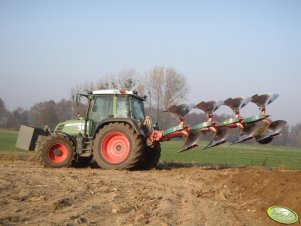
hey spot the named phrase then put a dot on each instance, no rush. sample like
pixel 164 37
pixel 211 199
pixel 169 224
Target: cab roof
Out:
pixel 121 92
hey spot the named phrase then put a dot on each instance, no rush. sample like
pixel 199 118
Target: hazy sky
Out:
pixel 224 48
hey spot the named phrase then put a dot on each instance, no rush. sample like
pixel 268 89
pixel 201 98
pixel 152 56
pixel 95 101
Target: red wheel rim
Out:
pixel 58 153
pixel 115 147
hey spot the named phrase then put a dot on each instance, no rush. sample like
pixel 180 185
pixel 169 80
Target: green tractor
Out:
pixel 113 132
pixel 117 134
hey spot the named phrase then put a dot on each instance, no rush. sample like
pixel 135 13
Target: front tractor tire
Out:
pixel 56 151
pixel 117 146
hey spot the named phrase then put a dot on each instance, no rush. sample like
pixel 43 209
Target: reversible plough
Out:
pixel 257 127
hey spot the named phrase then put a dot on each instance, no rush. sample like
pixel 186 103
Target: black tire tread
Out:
pixel 44 143
pixel 137 149
pixel 150 158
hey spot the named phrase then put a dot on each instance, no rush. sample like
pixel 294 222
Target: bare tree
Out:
pixel 283 139
pixel 107 82
pixel 175 87
pixel 195 118
pixel 16 118
pixel 127 78
pixel 166 87
pixel 81 88
pixel 64 110
pixel 155 88
pixel 295 135
pixel 44 113
pixel 67 109
pixel 3 113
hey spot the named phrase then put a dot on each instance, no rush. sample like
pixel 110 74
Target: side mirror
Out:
pixel 77 99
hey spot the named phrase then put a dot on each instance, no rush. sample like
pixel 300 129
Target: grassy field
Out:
pixel 8 140
pixel 236 155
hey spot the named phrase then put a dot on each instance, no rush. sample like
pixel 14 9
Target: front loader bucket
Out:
pixel 264 99
pixel 237 103
pixel 247 133
pixel 180 110
pixel 219 137
pixel 191 140
pixel 209 106
pixel 274 129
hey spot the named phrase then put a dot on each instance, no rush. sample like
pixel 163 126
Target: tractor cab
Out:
pixel 116 103
pixel 107 105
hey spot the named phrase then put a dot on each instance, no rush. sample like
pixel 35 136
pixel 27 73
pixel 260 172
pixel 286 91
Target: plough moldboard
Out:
pixel 257 127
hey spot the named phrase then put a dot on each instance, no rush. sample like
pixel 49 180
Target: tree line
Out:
pixel 44 113
pixel 162 86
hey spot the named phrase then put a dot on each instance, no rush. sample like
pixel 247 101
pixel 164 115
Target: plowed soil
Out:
pixel 171 195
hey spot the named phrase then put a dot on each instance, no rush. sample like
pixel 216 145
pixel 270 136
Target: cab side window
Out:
pixel 137 107
pixel 102 107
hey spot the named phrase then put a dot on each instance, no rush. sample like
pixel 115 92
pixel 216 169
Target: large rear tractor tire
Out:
pixel 117 146
pixel 56 151
pixel 151 158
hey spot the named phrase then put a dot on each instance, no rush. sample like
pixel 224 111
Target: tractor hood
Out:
pixel 71 127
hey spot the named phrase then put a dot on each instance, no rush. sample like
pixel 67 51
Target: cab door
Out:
pixel 101 108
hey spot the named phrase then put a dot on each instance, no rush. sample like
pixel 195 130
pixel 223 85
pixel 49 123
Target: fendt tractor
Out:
pixel 117 135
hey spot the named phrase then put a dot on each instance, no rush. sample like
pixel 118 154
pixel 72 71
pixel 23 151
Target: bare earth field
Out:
pixel 172 195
